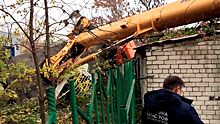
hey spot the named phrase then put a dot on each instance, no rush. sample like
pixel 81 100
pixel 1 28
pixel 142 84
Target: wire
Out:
pixel 79 11
pixel 107 31
pixel 84 5
pixel 95 36
pixel 186 10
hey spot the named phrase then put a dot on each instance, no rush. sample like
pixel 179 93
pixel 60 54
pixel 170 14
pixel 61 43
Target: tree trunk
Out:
pixel 36 61
pixel 47 52
pixel 47 43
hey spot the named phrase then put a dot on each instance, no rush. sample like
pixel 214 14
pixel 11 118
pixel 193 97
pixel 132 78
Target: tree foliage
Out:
pixel 22 18
pixel 150 4
pixel 19 70
pixel 28 112
pixel 114 10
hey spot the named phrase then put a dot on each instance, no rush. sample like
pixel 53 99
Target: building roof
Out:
pixel 173 40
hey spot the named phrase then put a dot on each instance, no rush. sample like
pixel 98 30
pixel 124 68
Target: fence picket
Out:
pixel 118 94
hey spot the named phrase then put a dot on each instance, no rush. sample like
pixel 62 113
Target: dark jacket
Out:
pixel 165 107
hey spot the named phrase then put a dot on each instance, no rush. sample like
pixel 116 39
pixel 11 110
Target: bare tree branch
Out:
pixel 144 4
pixel 23 46
pixel 16 22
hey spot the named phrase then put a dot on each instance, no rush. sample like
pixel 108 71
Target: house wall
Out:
pixel 14 41
pixel 197 62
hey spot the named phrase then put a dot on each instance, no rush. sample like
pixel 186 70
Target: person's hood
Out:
pixel 162 99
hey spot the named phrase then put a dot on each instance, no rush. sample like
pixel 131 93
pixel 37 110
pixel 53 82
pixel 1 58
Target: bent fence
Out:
pixel 112 101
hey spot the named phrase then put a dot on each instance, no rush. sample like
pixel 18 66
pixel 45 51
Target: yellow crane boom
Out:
pixel 171 15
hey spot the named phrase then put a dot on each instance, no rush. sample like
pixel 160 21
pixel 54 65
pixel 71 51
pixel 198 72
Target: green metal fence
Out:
pixel 112 101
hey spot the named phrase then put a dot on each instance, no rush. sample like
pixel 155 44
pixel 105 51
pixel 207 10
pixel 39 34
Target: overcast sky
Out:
pixel 73 4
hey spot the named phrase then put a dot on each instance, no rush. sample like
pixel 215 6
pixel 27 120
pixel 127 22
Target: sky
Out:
pixel 81 3
pixel 78 4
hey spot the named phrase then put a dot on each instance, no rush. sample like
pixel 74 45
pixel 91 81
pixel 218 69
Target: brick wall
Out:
pixel 197 62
